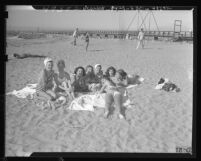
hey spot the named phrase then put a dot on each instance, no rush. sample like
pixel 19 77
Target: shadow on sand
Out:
pixel 147 48
pixel 94 50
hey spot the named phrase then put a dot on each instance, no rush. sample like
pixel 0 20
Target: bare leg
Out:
pixel 47 97
pixel 138 44
pixel 52 94
pixel 142 42
pixel 108 103
pixel 53 97
pixel 44 95
pixel 87 46
pixel 118 102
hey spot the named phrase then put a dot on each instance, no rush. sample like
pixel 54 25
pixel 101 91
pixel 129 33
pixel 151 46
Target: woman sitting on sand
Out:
pixel 110 72
pixel 45 85
pixel 98 72
pixel 91 80
pixel 62 80
pixel 113 95
pixel 78 83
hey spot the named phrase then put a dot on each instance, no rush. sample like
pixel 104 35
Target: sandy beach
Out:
pixel 158 121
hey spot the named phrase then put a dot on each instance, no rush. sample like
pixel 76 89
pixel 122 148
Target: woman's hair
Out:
pixel 62 62
pixel 80 67
pixel 89 66
pixel 108 69
pixel 122 73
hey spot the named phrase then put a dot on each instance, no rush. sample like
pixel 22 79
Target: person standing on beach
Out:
pixel 75 36
pixel 87 40
pixel 140 39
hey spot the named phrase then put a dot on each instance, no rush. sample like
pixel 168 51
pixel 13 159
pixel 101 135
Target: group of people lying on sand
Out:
pixel 53 85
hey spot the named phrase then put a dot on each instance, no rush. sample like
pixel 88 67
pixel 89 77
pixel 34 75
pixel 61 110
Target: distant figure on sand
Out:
pixel 27 55
pixel 87 40
pixel 45 85
pixel 75 36
pixel 140 39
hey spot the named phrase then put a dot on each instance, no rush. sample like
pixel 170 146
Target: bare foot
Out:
pixel 122 116
pixel 51 105
pixel 106 114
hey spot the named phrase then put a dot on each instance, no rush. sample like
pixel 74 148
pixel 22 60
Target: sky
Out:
pixel 25 17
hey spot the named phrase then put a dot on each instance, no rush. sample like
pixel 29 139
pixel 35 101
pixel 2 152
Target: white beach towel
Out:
pixel 84 102
pixel 29 90
pixel 88 102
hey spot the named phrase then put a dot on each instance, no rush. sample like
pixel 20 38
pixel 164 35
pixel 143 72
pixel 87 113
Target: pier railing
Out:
pixel 185 35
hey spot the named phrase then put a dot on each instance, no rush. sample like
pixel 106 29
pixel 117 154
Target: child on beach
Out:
pixel 45 86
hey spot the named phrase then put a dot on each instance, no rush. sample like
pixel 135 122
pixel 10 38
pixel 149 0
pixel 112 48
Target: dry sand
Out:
pixel 158 121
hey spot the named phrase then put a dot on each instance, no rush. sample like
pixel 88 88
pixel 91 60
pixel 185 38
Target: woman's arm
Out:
pixel 42 81
pixel 103 88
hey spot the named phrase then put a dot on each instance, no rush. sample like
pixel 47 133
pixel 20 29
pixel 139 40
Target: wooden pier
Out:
pixel 183 35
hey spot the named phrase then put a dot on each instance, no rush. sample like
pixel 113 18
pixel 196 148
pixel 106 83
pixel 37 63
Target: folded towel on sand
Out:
pixel 166 85
pixel 29 90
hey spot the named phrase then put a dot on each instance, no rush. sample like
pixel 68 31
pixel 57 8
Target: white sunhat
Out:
pixel 96 65
pixel 47 60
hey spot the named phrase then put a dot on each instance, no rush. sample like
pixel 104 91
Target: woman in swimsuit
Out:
pixel 45 86
pixel 78 82
pixel 110 72
pixel 62 81
pixel 98 72
pixel 87 40
pixel 91 80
